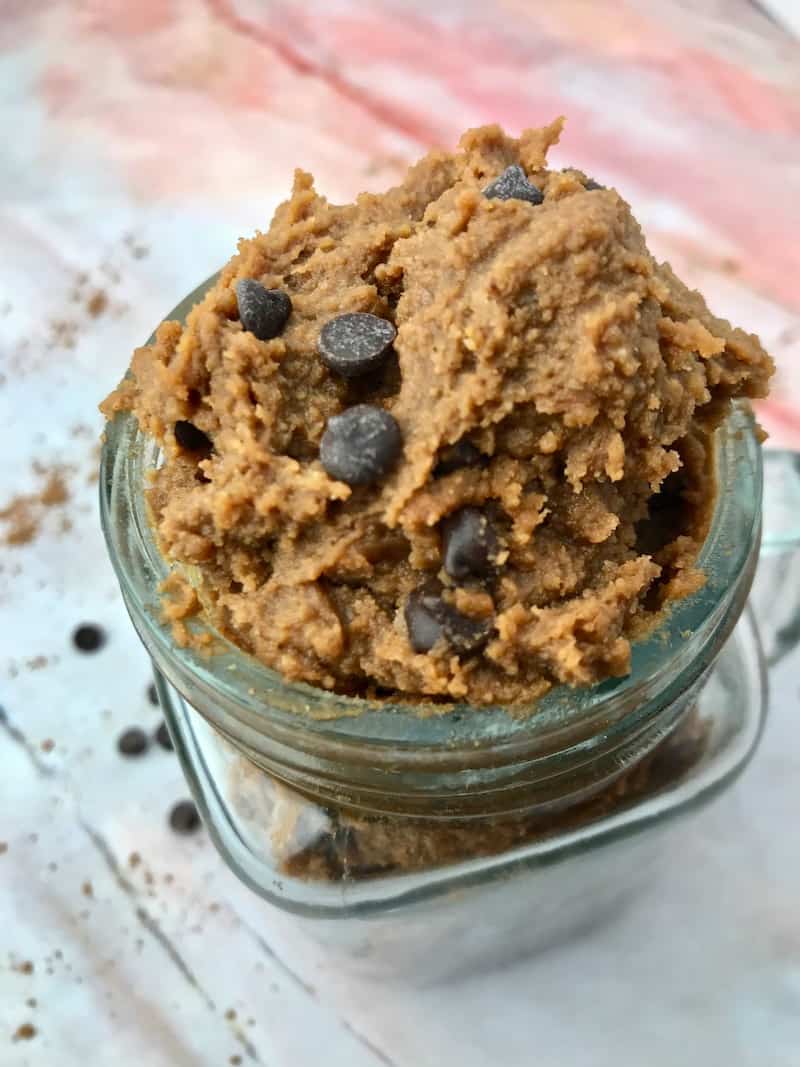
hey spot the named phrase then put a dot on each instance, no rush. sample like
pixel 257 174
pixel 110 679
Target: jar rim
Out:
pixel 254 701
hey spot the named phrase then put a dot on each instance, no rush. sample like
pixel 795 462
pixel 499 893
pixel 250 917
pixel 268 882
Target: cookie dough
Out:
pixel 522 471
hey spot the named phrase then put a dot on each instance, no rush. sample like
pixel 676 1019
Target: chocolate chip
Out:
pixel 191 438
pixel 513 184
pixel 162 737
pixel 360 445
pixel 88 637
pixel 467 637
pixel 133 742
pixel 469 543
pixel 462 454
pixel 263 312
pixel 422 613
pixel 152 694
pixel 590 185
pixel 429 618
pixel 355 343
pixel 184 818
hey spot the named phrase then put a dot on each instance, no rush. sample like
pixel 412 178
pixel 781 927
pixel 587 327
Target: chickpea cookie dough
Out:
pixel 448 442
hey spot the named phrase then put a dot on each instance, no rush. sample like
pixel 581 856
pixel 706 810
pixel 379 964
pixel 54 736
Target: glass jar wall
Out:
pixel 426 845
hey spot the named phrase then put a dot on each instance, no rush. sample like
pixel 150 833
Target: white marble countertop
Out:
pixel 110 210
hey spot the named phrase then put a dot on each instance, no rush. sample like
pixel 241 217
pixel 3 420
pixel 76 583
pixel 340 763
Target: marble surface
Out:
pixel 138 142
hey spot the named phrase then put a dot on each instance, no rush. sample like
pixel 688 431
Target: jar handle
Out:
pixel 781 508
pixel 776 591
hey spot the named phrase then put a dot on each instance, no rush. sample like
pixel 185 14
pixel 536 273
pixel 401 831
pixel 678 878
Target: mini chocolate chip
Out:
pixel 184 818
pixel 428 617
pixel 467 637
pixel 590 185
pixel 513 184
pixel 133 742
pixel 152 694
pixel 360 445
pixel 162 737
pixel 422 613
pixel 462 454
pixel 88 637
pixel 191 438
pixel 470 544
pixel 263 312
pixel 355 343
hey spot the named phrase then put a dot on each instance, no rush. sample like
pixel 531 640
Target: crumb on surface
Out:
pixel 24 513
pixel 55 490
pixel 63 334
pixel 97 303
pixel 25 1032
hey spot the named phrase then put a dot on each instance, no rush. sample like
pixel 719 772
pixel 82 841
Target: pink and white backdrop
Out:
pixel 137 142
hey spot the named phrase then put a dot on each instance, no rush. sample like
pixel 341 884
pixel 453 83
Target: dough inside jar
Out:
pixel 449 442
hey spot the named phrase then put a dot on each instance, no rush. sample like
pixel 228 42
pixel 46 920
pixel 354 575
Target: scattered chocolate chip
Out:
pixel 191 438
pixel 355 343
pixel 184 818
pixel 469 544
pixel 360 445
pixel 162 737
pixel 429 617
pixel 263 312
pixel 133 742
pixel 88 638
pixel 152 694
pixel 513 184
pixel 462 454
pixel 590 185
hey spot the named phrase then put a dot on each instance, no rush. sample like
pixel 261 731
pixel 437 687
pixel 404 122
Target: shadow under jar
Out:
pixel 430 846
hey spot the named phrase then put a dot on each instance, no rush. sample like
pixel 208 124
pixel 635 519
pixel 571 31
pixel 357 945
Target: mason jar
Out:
pixel 426 845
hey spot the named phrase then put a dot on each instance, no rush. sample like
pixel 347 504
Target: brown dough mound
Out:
pixel 587 375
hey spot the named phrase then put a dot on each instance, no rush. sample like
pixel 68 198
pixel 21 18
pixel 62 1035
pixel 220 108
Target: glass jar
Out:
pixel 429 845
